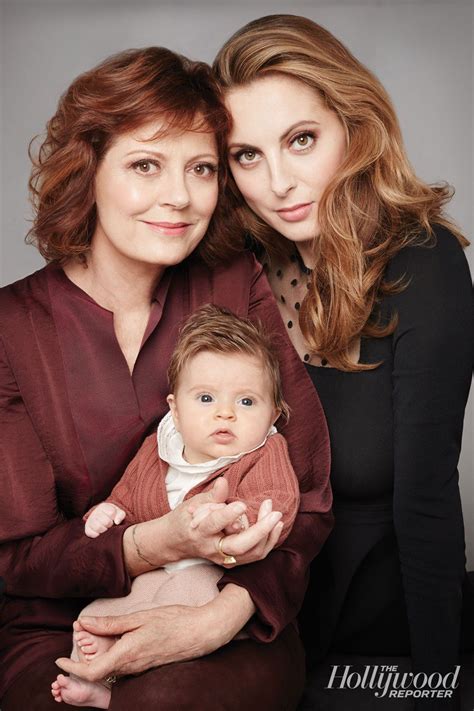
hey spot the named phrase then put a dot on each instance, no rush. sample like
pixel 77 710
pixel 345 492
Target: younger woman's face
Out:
pixel 284 149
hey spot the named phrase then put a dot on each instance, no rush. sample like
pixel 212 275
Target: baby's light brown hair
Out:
pixel 214 329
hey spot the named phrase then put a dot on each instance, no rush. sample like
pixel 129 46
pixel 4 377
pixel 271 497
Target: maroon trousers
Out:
pixel 241 675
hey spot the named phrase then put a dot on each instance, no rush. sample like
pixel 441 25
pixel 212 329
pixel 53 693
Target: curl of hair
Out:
pixel 373 207
pixel 123 93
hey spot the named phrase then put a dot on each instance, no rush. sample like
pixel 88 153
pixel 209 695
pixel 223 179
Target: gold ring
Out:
pixel 228 559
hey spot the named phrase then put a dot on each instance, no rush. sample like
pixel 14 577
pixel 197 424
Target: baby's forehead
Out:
pixel 235 367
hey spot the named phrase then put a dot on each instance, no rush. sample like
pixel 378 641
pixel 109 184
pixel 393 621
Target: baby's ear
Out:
pixel 276 415
pixel 174 411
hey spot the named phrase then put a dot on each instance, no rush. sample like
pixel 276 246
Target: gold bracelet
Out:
pixel 137 549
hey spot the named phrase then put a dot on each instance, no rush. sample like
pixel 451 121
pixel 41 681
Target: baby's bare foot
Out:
pixel 79 692
pixel 88 644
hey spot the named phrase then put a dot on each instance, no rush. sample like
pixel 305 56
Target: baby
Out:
pixel 225 398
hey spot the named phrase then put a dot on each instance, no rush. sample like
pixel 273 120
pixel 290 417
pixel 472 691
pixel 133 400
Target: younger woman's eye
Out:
pixel 205 398
pixel 204 170
pixel 247 401
pixel 303 140
pixel 247 156
pixel 146 166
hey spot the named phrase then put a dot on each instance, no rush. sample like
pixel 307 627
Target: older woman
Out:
pixel 374 290
pixel 125 186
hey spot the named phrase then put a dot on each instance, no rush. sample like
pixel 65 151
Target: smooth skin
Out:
pixel 222 406
pixel 285 147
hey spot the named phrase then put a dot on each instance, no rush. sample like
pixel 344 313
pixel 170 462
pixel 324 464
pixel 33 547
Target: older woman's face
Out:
pixel 284 148
pixel 155 198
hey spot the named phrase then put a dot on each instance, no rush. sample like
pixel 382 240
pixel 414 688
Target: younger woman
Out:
pixel 374 290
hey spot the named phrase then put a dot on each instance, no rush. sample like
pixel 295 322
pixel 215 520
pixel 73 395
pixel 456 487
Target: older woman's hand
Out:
pixel 174 537
pixel 163 635
pixel 243 542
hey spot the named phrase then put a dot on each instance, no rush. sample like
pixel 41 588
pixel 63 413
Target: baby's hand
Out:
pixel 103 517
pixel 203 510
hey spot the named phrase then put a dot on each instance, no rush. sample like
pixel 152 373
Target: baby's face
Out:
pixel 223 405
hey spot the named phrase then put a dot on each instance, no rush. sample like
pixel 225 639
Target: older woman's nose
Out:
pixel 174 191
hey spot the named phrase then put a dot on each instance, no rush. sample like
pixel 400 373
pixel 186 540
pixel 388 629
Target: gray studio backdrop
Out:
pixel 420 49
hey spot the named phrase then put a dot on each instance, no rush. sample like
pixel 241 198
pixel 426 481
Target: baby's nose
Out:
pixel 225 412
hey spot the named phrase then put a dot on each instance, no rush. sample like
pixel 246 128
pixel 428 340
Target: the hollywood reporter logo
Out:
pixel 387 681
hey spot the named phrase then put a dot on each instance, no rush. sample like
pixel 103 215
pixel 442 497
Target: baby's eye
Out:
pixel 145 166
pixel 205 398
pixel 303 140
pixel 247 401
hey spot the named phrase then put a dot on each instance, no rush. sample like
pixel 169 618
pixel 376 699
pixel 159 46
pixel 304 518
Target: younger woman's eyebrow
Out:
pixel 299 124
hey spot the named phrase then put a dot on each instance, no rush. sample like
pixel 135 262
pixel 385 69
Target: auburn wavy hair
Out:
pixel 373 207
pixel 123 93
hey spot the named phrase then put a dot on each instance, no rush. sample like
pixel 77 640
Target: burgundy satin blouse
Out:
pixel 72 417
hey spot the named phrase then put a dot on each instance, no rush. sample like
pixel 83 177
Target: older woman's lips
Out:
pixel 296 213
pixel 169 228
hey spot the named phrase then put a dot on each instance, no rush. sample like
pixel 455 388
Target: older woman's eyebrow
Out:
pixel 299 124
pixel 158 154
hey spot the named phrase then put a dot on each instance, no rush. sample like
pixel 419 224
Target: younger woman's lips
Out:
pixel 295 213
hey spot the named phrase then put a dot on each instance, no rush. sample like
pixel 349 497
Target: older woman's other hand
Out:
pixel 163 635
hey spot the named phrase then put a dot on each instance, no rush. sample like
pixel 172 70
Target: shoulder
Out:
pixel 433 274
pixel 439 256
pixel 22 295
pixel 228 285
pixel 244 264
pixel 149 448
pixel 275 446
pixel 434 305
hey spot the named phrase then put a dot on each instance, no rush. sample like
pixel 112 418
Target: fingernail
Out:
pixel 275 516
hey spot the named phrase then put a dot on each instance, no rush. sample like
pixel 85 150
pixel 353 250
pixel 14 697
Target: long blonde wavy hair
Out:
pixel 373 207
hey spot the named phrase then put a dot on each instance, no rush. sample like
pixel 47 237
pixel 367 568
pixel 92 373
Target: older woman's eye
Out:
pixel 146 167
pixel 204 170
pixel 302 141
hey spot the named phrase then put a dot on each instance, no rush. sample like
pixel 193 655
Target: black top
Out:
pixel 397 549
